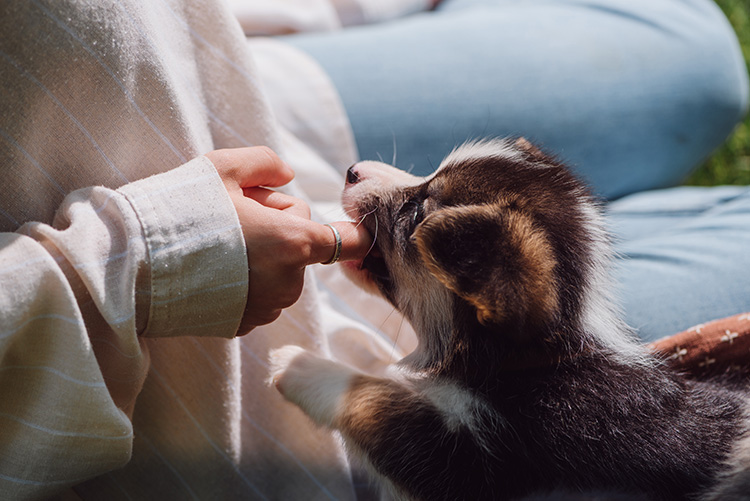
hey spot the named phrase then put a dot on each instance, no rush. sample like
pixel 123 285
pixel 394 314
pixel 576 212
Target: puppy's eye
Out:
pixel 412 213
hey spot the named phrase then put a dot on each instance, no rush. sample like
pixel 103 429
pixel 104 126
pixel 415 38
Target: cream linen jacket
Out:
pixel 123 269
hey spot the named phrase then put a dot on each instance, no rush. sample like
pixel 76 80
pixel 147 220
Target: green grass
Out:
pixel 730 164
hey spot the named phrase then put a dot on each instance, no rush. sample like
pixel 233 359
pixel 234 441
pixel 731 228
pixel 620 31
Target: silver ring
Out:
pixel 337 250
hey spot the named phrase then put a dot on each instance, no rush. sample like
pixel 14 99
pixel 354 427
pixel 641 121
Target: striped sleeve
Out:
pixel 159 257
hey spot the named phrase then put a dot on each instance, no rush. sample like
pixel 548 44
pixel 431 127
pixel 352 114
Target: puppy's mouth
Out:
pixel 375 264
pixel 372 268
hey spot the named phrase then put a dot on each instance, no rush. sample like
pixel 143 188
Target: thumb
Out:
pixel 251 167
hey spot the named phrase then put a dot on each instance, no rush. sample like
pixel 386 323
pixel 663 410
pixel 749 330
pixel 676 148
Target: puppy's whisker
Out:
pixel 398 332
pixel 432 166
pixel 374 237
pixel 393 135
pixel 362 219
pixel 395 341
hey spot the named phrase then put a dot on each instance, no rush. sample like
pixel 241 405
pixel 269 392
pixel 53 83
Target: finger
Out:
pixel 355 241
pixel 255 166
pixel 271 292
pixel 252 321
pixel 280 201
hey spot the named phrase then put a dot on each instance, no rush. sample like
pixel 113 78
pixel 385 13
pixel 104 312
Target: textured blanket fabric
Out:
pixel 713 348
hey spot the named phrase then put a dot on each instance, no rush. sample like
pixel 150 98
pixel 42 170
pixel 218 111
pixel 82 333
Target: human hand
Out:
pixel 281 239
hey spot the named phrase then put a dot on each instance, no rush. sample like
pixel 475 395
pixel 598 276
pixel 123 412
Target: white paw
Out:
pixel 316 385
pixel 279 361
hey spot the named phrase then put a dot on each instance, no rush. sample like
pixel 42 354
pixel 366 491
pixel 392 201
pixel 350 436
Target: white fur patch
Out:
pixel 433 327
pixel 490 148
pixel 316 385
pixel 601 316
pixel 460 408
pixel 456 405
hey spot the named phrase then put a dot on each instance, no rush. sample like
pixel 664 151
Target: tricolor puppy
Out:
pixel 525 381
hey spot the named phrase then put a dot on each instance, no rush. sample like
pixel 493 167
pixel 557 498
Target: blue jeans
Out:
pixel 684 256
pixel 632 94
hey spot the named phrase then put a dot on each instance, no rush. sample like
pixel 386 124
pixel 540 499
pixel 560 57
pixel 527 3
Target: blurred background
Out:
pixel 730 164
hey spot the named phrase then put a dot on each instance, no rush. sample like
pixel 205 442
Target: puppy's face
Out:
pixel 499 228
pixel 393 205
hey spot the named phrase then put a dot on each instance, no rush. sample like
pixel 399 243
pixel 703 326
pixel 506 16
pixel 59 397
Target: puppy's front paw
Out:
pixel 314 384
pixel 279 361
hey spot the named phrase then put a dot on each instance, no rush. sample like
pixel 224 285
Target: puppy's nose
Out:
pixel 351 175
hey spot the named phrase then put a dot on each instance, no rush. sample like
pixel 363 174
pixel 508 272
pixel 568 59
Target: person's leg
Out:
pixel 684 257
pixel 632 93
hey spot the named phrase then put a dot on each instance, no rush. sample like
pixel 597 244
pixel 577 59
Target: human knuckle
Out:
pixel 304 208
pixel 298 249
pixel 268 153
pixel 268 316
pixel 294 293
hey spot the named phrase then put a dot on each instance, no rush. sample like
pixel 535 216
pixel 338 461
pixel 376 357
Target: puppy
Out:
pixel 525 382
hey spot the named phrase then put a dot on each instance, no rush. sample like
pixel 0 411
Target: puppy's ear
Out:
pixel 495 257
pixel 524 145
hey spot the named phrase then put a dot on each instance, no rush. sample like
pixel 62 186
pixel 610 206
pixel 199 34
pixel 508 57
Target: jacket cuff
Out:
pixel 198 274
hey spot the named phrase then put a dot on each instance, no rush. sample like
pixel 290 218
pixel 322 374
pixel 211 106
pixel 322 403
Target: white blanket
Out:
pixel 275 17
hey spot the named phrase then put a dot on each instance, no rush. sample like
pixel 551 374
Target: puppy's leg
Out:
pixel 401 433
pixel 316 385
